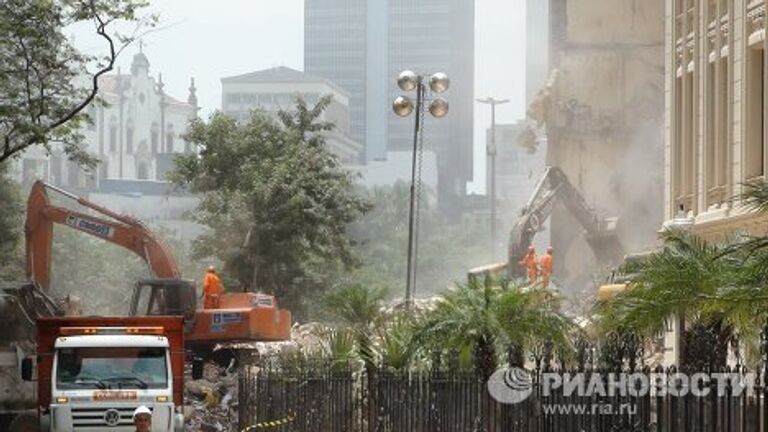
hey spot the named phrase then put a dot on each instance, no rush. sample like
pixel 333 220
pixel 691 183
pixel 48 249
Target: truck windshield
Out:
pixel 111 368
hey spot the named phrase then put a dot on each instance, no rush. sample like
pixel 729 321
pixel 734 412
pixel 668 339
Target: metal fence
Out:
pixel 322 399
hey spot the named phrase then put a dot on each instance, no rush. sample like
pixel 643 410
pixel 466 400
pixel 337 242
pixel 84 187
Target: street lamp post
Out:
pixel 403 106
pixel 491 152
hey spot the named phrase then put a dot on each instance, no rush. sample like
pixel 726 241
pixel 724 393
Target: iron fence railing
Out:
pixel 604 388
pixel 321 399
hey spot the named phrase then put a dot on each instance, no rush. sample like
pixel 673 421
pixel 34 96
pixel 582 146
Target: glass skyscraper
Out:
pixel 362 45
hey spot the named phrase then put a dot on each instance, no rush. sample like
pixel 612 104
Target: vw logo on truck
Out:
pixel 112 417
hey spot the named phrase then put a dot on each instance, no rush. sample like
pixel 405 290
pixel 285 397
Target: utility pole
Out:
pixel 491 152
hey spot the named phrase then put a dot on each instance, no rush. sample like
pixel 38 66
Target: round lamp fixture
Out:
pixel 402 106
pixel 407 80
pixel 438 108
pixel 439 82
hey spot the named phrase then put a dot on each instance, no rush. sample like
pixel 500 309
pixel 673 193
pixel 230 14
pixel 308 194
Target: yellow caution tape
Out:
pixel 271 423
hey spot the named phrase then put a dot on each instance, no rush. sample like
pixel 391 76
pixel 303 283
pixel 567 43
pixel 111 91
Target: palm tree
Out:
pixel 305 120
pixel 485 316
pixel 678 280
pixel 355 306
pixel 683 280
pixel 717 289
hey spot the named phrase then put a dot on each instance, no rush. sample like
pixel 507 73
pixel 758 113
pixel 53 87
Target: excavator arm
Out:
pixel 121 230
pixel 554 186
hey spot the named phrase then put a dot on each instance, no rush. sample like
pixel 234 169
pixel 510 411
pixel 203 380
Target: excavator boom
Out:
pixel 554 186
pixel 121 230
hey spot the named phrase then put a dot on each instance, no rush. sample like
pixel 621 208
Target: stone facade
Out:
pixel 715 112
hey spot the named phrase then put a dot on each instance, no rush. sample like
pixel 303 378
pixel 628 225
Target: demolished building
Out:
pixel 602 113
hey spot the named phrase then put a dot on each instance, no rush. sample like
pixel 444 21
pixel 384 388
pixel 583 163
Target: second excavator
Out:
pixel 554 186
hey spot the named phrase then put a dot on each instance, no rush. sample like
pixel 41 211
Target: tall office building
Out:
pixel 362 45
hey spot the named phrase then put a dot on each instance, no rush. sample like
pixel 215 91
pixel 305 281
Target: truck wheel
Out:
pixel 24 423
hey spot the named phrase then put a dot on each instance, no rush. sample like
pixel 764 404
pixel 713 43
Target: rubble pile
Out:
pixel 212 400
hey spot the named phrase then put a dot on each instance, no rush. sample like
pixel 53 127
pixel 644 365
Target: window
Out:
pixel 169 139
pixel 154 137
pixel 754 164
pixel 111 368
pixel 91 117
pixel 73 174
pixel 56 162
pixel 103 169
pixel 723 119
pixel 142 171
pixel 710 142
pixel 678 171
pixel 689 155
pixel 113 135
pixel 129 138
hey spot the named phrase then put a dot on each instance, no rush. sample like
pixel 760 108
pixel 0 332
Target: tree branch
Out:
pixel 101 31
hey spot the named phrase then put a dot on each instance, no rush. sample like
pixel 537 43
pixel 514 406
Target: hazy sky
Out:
pixel 209 40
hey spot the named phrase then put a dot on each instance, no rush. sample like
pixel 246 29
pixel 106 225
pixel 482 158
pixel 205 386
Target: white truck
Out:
pixel 93 372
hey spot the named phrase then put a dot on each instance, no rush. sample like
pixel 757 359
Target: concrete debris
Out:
pixel 212 400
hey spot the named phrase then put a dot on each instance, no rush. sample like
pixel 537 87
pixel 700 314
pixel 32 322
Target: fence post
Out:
pixel 764 351
pixel 243 403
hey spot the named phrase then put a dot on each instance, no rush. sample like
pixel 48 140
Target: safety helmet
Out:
pixel 142 410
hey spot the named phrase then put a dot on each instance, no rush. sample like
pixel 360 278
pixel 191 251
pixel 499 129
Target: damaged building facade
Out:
pixel 716 113
pixel 602 113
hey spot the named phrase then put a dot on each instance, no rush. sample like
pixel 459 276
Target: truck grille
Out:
pixel 83 418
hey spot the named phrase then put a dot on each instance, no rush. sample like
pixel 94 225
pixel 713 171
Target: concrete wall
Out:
pixel 604 122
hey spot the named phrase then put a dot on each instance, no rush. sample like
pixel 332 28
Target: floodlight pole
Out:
pixel 411 281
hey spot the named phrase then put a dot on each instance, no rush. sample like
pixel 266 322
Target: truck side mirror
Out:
pixel 197 368
pixel 26 369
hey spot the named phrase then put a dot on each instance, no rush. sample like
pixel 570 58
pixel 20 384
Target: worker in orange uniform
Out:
pixel 545 267
pixel 531 265
pixel 211 289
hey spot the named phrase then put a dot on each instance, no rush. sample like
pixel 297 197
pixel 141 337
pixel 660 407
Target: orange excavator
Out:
pixel 241 317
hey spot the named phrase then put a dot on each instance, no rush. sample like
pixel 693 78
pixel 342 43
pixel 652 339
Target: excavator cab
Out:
pixel 165 297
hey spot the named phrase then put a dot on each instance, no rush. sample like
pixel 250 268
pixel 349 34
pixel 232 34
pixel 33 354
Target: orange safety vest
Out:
pixel 211 290
pixel 529 262
pixel 546 264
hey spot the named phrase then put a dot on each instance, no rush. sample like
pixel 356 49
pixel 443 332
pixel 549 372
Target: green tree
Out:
pixel 714 288
pixel 355 306
pixel 682 279
pixel 41 99
pixel 276 201
pixel 485 317
pixel 11 221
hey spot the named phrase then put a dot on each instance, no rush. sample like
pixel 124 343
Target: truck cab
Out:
pixel 94 372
